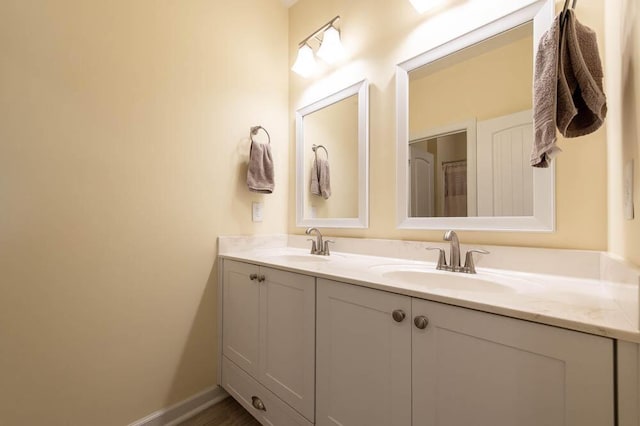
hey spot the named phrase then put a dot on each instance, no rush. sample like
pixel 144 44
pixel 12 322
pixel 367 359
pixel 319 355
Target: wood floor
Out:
pixel 225 413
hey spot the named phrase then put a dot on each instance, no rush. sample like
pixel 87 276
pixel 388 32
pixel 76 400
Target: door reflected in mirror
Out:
pixel 471 130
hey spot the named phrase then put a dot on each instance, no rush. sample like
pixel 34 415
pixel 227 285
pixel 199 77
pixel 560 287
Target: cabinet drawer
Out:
pixel 244 389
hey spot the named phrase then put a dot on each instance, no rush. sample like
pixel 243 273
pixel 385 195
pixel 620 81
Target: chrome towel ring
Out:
pixel 254 131
pixel 315 149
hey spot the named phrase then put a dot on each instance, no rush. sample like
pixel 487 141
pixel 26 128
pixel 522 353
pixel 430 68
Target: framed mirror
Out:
pixel 332 160
pixel 465 131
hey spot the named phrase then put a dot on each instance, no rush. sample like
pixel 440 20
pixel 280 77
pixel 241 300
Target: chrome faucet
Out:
pixel 454 256
pixel 454 250
pixel 318 246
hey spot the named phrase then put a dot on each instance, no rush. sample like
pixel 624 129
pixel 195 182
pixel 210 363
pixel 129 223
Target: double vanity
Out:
pixel 386 333
pixel 359 339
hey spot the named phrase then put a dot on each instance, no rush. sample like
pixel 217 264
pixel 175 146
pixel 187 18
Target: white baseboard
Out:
pixel 183 410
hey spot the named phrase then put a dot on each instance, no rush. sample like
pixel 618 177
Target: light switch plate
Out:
pixel 256 211
pixel 627 190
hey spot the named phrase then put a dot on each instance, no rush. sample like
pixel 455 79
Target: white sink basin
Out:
pixel 297 258
pixel 451 282
pixel 434 279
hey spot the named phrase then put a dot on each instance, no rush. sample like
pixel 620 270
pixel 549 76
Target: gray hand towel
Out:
pixel 545 86
pixel 260 173
pixel 320 178
pixel 582 104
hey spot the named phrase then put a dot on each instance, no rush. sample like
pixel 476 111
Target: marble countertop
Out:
pixel 589 305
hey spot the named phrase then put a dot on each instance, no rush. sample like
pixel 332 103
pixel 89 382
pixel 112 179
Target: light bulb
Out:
pixel 331 49
pixel 305 63
pixel 422 5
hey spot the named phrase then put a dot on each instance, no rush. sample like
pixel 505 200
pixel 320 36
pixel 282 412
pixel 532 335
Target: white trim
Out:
pixel 362 221
pixel 184 410
pixel 542 13
pixel 220 302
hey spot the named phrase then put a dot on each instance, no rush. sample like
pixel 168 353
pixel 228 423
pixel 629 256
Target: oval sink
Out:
pixel 299 258
pixel 454 281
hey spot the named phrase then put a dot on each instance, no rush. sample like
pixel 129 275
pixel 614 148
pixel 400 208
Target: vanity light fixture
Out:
pixel 330 51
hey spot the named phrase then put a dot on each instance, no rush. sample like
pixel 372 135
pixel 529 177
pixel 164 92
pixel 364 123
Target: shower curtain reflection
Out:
pixel 455 188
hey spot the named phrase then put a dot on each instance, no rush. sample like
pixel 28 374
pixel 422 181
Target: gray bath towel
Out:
pixel 545 86
pixel 582 104
pixel 320 178
pixel 260 173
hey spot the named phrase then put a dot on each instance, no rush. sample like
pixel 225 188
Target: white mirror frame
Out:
pixel 542 13
pixel 362 220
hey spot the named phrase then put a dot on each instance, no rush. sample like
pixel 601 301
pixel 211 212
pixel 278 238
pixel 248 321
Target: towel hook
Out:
pixel 315 149
pixel 563 14
pixel 254 131
pixel 566 5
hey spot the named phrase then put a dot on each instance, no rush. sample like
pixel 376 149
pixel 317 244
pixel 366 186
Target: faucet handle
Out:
pixel 469 264
pixel 314 249
pixel 442 261
pixel 326 251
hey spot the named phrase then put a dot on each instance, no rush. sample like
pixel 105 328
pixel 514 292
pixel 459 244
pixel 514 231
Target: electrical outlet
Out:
pixel 627 190
pixel 256 211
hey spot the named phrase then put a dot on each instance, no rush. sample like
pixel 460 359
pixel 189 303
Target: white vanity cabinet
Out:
pixel 363 364
pixel 376 367
pixel 268 326
pixel 474 368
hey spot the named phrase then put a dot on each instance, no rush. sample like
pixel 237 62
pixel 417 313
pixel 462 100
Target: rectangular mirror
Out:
pixel 465 131
pixel 332 160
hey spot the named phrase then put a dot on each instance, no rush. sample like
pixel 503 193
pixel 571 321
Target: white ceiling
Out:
pixel 289 3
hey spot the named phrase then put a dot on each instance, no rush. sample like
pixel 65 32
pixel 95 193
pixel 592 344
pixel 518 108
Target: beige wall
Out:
pixel 492 84
pixel 123 150
pixel 623 87
pixel 381 33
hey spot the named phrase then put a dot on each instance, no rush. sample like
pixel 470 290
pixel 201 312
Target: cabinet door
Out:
pixel 240 315
pixel 473 368
pixel 363 358
pixel 287 337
